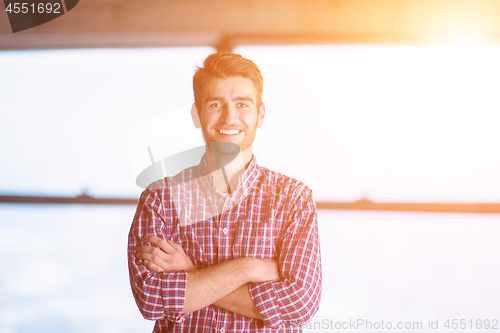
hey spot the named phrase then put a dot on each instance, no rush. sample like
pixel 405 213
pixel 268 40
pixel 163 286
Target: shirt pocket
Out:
pixel 255 240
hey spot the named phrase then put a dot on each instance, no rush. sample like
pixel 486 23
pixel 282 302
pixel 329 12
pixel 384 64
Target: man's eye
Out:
pixel 242 105
pixel 216 105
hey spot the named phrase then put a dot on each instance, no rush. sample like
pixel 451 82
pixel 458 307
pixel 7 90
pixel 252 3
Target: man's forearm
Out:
pixel 210 285
pixel 240 302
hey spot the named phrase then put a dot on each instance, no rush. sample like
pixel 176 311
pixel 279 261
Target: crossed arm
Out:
pixel 224 285
pixel 166 284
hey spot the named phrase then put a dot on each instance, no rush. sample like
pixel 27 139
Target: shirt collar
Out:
pixel 245 182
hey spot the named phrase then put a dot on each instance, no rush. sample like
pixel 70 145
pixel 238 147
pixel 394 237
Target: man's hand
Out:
pixel 265 270
pixel 169 257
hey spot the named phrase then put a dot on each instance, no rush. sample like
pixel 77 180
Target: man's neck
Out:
pixel 227 176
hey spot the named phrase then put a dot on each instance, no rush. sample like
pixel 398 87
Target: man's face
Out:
pixel 229 112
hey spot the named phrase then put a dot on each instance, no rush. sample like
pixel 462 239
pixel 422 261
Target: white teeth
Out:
pixel 230 132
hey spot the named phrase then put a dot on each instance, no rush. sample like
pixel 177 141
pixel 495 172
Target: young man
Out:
pixel 226 246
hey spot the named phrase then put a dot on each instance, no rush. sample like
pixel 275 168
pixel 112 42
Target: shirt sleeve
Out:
pixel 158 296
pixel 295 298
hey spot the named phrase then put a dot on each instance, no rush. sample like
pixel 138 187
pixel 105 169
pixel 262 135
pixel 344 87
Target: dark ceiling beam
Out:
pixel 225 24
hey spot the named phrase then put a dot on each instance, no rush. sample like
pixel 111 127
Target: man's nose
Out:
pixel 229 114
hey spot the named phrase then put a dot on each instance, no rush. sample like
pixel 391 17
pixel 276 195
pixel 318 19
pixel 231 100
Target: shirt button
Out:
pixel 222 330
pixel 221 200
pixel 224 230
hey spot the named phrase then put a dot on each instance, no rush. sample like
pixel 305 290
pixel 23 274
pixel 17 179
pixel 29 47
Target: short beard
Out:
pixel 224 152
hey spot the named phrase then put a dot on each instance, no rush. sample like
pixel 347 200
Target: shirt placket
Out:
pixel 224 230
pixel 223 251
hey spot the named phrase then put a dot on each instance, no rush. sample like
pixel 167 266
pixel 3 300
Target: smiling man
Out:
pixel 228 245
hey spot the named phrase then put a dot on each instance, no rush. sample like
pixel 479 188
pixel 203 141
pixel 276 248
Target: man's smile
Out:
pixel 228 132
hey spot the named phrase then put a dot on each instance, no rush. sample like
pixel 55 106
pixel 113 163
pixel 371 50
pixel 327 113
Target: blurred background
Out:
pixel 388 110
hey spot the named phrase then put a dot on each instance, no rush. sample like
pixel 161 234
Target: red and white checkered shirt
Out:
pixel 269 216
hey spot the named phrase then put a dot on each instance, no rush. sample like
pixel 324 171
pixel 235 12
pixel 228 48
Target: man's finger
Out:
pixel 176 246
pixel 144 256
pixel 155 268
pixel 153 259
pixel 161 243
pixel 149 251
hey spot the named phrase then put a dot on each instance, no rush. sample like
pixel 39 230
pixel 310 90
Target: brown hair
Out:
pixel 224 65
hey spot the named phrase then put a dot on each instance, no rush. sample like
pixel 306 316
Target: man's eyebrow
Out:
pixel 215 98
pixel 244 98
pixel 237 98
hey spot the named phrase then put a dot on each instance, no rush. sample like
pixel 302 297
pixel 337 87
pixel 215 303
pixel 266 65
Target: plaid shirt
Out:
pixel 269 216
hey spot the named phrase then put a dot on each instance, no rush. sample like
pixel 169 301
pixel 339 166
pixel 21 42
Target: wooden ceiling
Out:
pixel 225 24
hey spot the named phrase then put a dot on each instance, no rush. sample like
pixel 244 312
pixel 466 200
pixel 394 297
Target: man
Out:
pixel 226 246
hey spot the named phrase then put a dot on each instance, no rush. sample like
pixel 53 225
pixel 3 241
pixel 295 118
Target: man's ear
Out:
pixel 195 116
pixel 262 114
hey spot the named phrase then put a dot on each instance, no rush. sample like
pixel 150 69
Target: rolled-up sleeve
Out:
pixel 295 298
pixel 158 296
